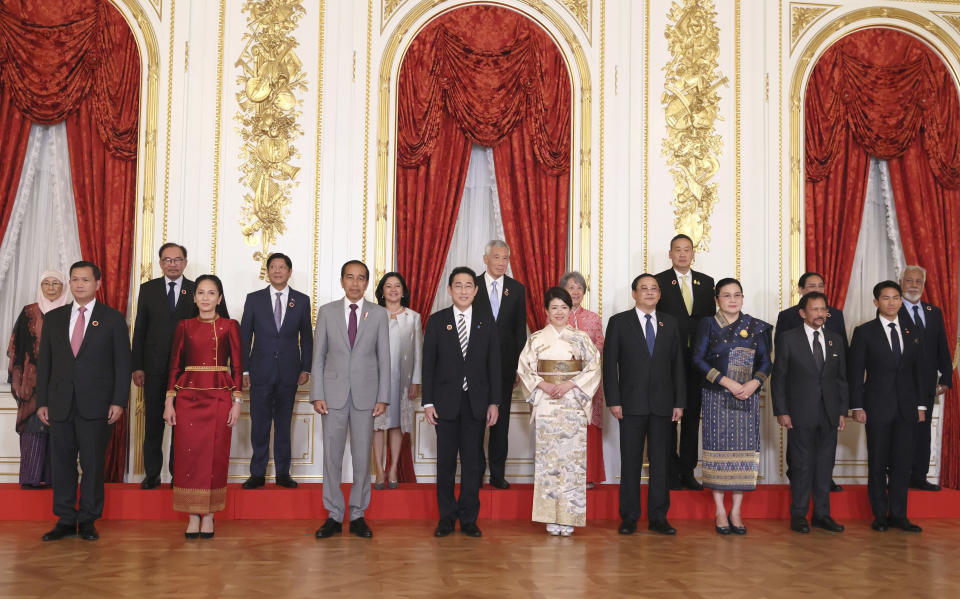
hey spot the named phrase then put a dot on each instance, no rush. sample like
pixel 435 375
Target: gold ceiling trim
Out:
pixel 803 16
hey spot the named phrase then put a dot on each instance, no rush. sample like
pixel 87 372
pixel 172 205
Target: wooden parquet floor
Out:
pixel 276 559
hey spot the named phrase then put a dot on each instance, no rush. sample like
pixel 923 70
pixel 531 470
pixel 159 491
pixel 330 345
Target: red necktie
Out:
pixel 77 339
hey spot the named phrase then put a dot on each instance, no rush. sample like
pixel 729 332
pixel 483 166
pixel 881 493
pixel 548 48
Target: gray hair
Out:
pixel 495 243
pixel 909 267
pixel 575 276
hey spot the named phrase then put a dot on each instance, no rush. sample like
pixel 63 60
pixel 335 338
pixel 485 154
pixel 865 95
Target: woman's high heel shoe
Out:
pixel 737 530
pixel 206 535
pixel 192 535
pixel 722 530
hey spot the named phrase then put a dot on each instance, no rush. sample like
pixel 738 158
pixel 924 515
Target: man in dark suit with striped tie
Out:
pixel 936 362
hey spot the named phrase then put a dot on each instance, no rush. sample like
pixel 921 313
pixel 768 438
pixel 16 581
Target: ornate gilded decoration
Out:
pixel 272 75
pixel 803 16
pixel 387 10
pixel 580 9
pixel 316 181
pixel 950 17
pixel 691 106
pixel 214 224
pixel 166 160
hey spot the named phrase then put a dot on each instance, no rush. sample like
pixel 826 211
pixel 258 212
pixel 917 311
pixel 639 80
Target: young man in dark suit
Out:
pixel 687 295
pixel 790 319
pixel 161 304
pixel 461 394
pixel 811 399
pixel 644 383
pixel 83 384
pixel 504 300
pixel 885 377
pixel 277 337
pixel 936 363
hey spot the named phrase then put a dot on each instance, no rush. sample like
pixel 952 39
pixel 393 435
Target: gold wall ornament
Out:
pixel 802 18
pixel 691 106
pixel 950 17
pixel 271 76
pixel 580 10
pixel 387 10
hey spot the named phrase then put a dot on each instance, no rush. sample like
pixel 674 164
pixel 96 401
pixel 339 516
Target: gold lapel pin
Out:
pixel 743 333
pixel 95 323
pixel 449 327
pixel 183 292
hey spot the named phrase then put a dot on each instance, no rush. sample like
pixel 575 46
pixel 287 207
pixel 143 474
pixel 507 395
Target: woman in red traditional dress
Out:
pixel 207 393
pixel 588 322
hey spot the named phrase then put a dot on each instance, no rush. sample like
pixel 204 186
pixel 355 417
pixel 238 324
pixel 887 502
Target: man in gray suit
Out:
pixel 351 366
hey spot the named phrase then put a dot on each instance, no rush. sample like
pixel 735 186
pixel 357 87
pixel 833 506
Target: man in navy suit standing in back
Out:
pixel 277 339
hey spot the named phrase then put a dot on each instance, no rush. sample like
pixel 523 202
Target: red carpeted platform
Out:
pixel 418 501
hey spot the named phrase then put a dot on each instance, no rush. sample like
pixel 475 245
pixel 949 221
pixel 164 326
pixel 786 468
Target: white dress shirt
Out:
pixel 823 344
pixel 489 282
pixel 346 310
pixel 685 277
pixel 886 329
pixel 177 286
pixel 909 306
pixel 75 314
pixel 284 297
pixel 643 322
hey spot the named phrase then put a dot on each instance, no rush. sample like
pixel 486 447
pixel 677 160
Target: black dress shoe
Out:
pixel 676 484
pixel 904 524
pixel 722 530
pixel 834 487
pixel 360 529
pixel 254 482
pixel 60 531
pixel 87 531
pixel 687 481
pixel 737 530
pixel 826 523
pixel 924 485
pixel 627 527
pixel 192 535
pixel 444 528
pixel 799 525
pixel 286 482
pixel 662 527
pixel 471 530
pixel 330 527
pixel 151 482
pixel 499 483
pixel 880 525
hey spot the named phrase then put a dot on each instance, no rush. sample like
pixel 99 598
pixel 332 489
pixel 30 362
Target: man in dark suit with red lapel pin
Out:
pixel 885 377
pixel 461 394
pixel 936 362
pixel 504 299
pixel 83 384
pixel 687 295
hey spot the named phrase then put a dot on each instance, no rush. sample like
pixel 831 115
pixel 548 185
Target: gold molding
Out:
pixel 158 6
pixel 601 157
pixel 737 94
pixel 366 153
pixel 780 166
pixel 216 138
pixel 691 106
pixel 314 268
pixel 166 160
pixel 646 136
pixel 271 76
pixel 386 142
pixel 579 10
pixel 388 8
pixel 814 49
pixel 803 16
pixel 952 18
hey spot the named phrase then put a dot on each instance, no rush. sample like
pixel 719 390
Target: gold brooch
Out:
pixel 696 282
pixel 743 333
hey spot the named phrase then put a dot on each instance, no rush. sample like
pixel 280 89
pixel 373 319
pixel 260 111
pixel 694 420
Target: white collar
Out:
pixel 885 322
pixel 466 313
pixel 489 279
pixel 88 306
pixel 178 280
pixel 680 275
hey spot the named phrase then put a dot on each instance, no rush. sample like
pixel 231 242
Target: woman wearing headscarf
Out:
pixel 22 351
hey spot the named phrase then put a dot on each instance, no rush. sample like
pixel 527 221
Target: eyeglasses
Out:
pixel 171 260
pixel 51 283
pixel 463 286
pixel 730 296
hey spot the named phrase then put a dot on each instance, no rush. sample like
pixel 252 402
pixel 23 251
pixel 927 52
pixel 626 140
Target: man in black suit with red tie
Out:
pixel 811 399
pixel 461 394
pixel 83 383
pixel 885 377
pixel 936 363
pixel 161 304
pixel 644 383
pixel 504 299
pixel 687 295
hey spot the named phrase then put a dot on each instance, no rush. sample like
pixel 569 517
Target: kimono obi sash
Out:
pixel 558 371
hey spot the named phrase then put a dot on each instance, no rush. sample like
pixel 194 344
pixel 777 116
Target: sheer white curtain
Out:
pixel 879 251
pixel 42 233
pixel 478 222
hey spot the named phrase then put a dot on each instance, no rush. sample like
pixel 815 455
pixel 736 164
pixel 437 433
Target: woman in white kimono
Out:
pixel 560 370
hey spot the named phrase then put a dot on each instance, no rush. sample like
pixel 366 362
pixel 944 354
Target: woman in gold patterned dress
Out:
pixel 560 371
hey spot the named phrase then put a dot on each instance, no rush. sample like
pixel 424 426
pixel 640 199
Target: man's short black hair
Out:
pixel 279 256
pixel 461 270
pixel 633 285
pixel 680 236
pixel 169 245
pixel 343 269
pixel 803 278
pixel 808 297
pixel 879 287
pixel 86 264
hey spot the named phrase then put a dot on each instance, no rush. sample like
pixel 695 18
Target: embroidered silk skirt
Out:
pixel 201 448
pixel 731 441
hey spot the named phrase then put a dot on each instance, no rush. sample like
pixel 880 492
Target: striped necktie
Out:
pixel 462 332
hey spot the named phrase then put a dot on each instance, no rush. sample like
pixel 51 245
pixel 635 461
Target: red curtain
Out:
pixel 882 93
pixel 77 60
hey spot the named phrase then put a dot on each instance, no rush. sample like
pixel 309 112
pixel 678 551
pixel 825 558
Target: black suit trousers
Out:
pixel 154 400
pixel 87 439
pixel 889 457
pixel 811 451
pixel 685 454
pixel 271 405
pixel 497 441
pixel 634 432
pixel 462 435
pixel 921 450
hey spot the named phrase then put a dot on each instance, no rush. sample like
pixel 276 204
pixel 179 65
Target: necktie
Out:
pixel 278 313
pixel 172 296
pixel 817 350
pixel 464 340
pixel 495 300
pixel 649 334
pixel 76 340
pixel 687 296
pixel 352 325
pixel 895 341
pixel 917 319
